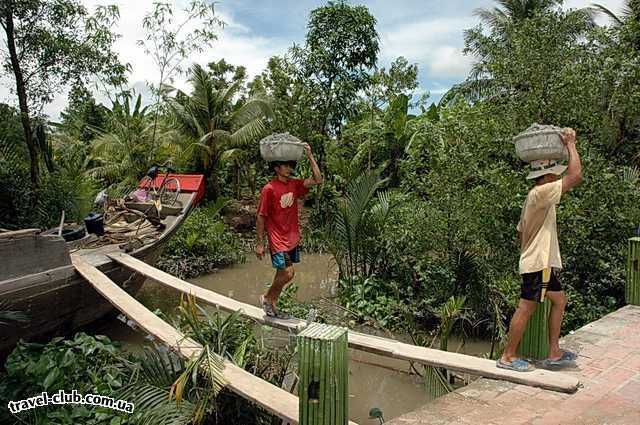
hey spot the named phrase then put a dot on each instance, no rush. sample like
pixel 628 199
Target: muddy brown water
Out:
pixel 374 381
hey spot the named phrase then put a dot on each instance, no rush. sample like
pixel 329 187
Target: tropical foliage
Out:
pixel 217 127
pixel 420 201
pixel 202 244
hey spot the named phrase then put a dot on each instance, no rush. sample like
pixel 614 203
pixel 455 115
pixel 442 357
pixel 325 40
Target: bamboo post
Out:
pixel 535 341
pixel 324 370
pixel 632 287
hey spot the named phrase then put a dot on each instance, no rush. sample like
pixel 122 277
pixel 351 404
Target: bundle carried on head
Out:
pixel 540 142
pixel 281 147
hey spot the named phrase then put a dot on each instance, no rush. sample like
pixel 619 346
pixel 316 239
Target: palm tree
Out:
pixel 386 138
pixel 626 13
pixel 357 220
pixel 512 11
pixel 125 150
pixel 480 84
pixel 216 122
pixel 168 390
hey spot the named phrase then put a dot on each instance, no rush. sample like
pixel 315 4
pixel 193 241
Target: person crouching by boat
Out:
pixel 278 215
pixel 540 256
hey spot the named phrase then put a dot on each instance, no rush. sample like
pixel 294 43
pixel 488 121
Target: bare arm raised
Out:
pixel 574 170
pixel 315 170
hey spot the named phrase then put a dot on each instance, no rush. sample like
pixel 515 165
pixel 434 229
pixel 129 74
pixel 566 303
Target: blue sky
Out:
pixel 426 32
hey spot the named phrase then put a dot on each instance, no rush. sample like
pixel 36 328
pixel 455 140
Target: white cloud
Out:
pixel 448 61
pixel 613 5
pixel 435 44
pixel 236 44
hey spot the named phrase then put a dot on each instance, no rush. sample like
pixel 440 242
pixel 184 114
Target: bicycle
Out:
pixel 167 192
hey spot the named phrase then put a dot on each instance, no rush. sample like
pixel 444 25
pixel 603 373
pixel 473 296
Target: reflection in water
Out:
pixel 374 381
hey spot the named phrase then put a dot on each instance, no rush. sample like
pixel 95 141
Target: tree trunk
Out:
pixel 237 173
pixel 34 150
pixel 251 178
pixel 215 185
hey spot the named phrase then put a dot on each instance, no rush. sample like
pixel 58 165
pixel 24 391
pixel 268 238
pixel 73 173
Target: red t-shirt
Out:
pixel 279 206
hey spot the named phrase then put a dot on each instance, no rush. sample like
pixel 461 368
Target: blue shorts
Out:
pixel 282 260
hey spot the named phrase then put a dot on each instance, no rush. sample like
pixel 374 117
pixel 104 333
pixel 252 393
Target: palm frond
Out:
pixel 234 155
pixel 359 194
pixel 11 153
pixel 240 355
pixel 631 174
pixel 495 18
pixel 248 133
pixel 617 20
pixel 436 382
pixel 253 108
pixel 226 94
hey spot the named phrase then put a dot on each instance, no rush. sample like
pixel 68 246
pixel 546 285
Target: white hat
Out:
pixel 545 166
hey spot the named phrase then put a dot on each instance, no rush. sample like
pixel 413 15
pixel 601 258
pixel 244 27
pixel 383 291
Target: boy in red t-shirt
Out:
pixel 278 213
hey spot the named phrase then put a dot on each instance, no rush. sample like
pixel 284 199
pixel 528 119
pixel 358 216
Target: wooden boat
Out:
pixel 38 279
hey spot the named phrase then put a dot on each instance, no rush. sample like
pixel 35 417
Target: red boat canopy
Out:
pixel 189 183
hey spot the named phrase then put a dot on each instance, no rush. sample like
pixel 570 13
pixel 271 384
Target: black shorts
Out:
pixel 532 285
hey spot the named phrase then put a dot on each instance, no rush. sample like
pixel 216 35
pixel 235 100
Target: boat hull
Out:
pixel 38 279
pixel 59 301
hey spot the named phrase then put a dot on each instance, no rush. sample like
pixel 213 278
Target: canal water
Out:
pixel 374 381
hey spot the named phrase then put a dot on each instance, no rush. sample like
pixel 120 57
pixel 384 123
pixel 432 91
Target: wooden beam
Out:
pixel 272 398
pixel 10 234
pixel 486 368
pixel 210 297
pixel 548 380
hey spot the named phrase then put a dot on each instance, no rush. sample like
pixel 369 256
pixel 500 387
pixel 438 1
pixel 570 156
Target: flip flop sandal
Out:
pixel 556 364
pixel 285 316
pixel 267 307
pixel 517 365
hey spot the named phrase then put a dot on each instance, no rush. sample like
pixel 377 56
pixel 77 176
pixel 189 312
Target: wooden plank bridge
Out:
pixel 270 397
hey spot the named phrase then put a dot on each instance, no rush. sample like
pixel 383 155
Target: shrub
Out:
pixel 60 190
pixel 201 245
pixel 85 363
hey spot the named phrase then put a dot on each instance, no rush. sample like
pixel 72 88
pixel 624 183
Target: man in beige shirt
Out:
pixel 540 255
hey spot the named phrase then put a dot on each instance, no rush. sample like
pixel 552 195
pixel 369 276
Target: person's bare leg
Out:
pixel 517 327
pixel 558 303
pixel 281 279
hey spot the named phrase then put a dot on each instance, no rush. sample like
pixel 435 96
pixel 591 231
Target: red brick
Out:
pixel 632 343
pixel 608 407
pixel 488 396
pixel 592 352
pixel 551 418
pixel 630 391
pixel 603 363
pixel 618 353
pixel 525 389
pixel 549 396
pixel 577 404
pixel 554 417
pixel 632 361
pixel 511 398
pixel 517 416
pixel 589 372
pixel 615 377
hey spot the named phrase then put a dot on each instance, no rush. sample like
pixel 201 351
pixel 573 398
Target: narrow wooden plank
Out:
pixel 211 297
pixel 541 378
pixel 555 381
pixel 272 398
pixel 18 233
